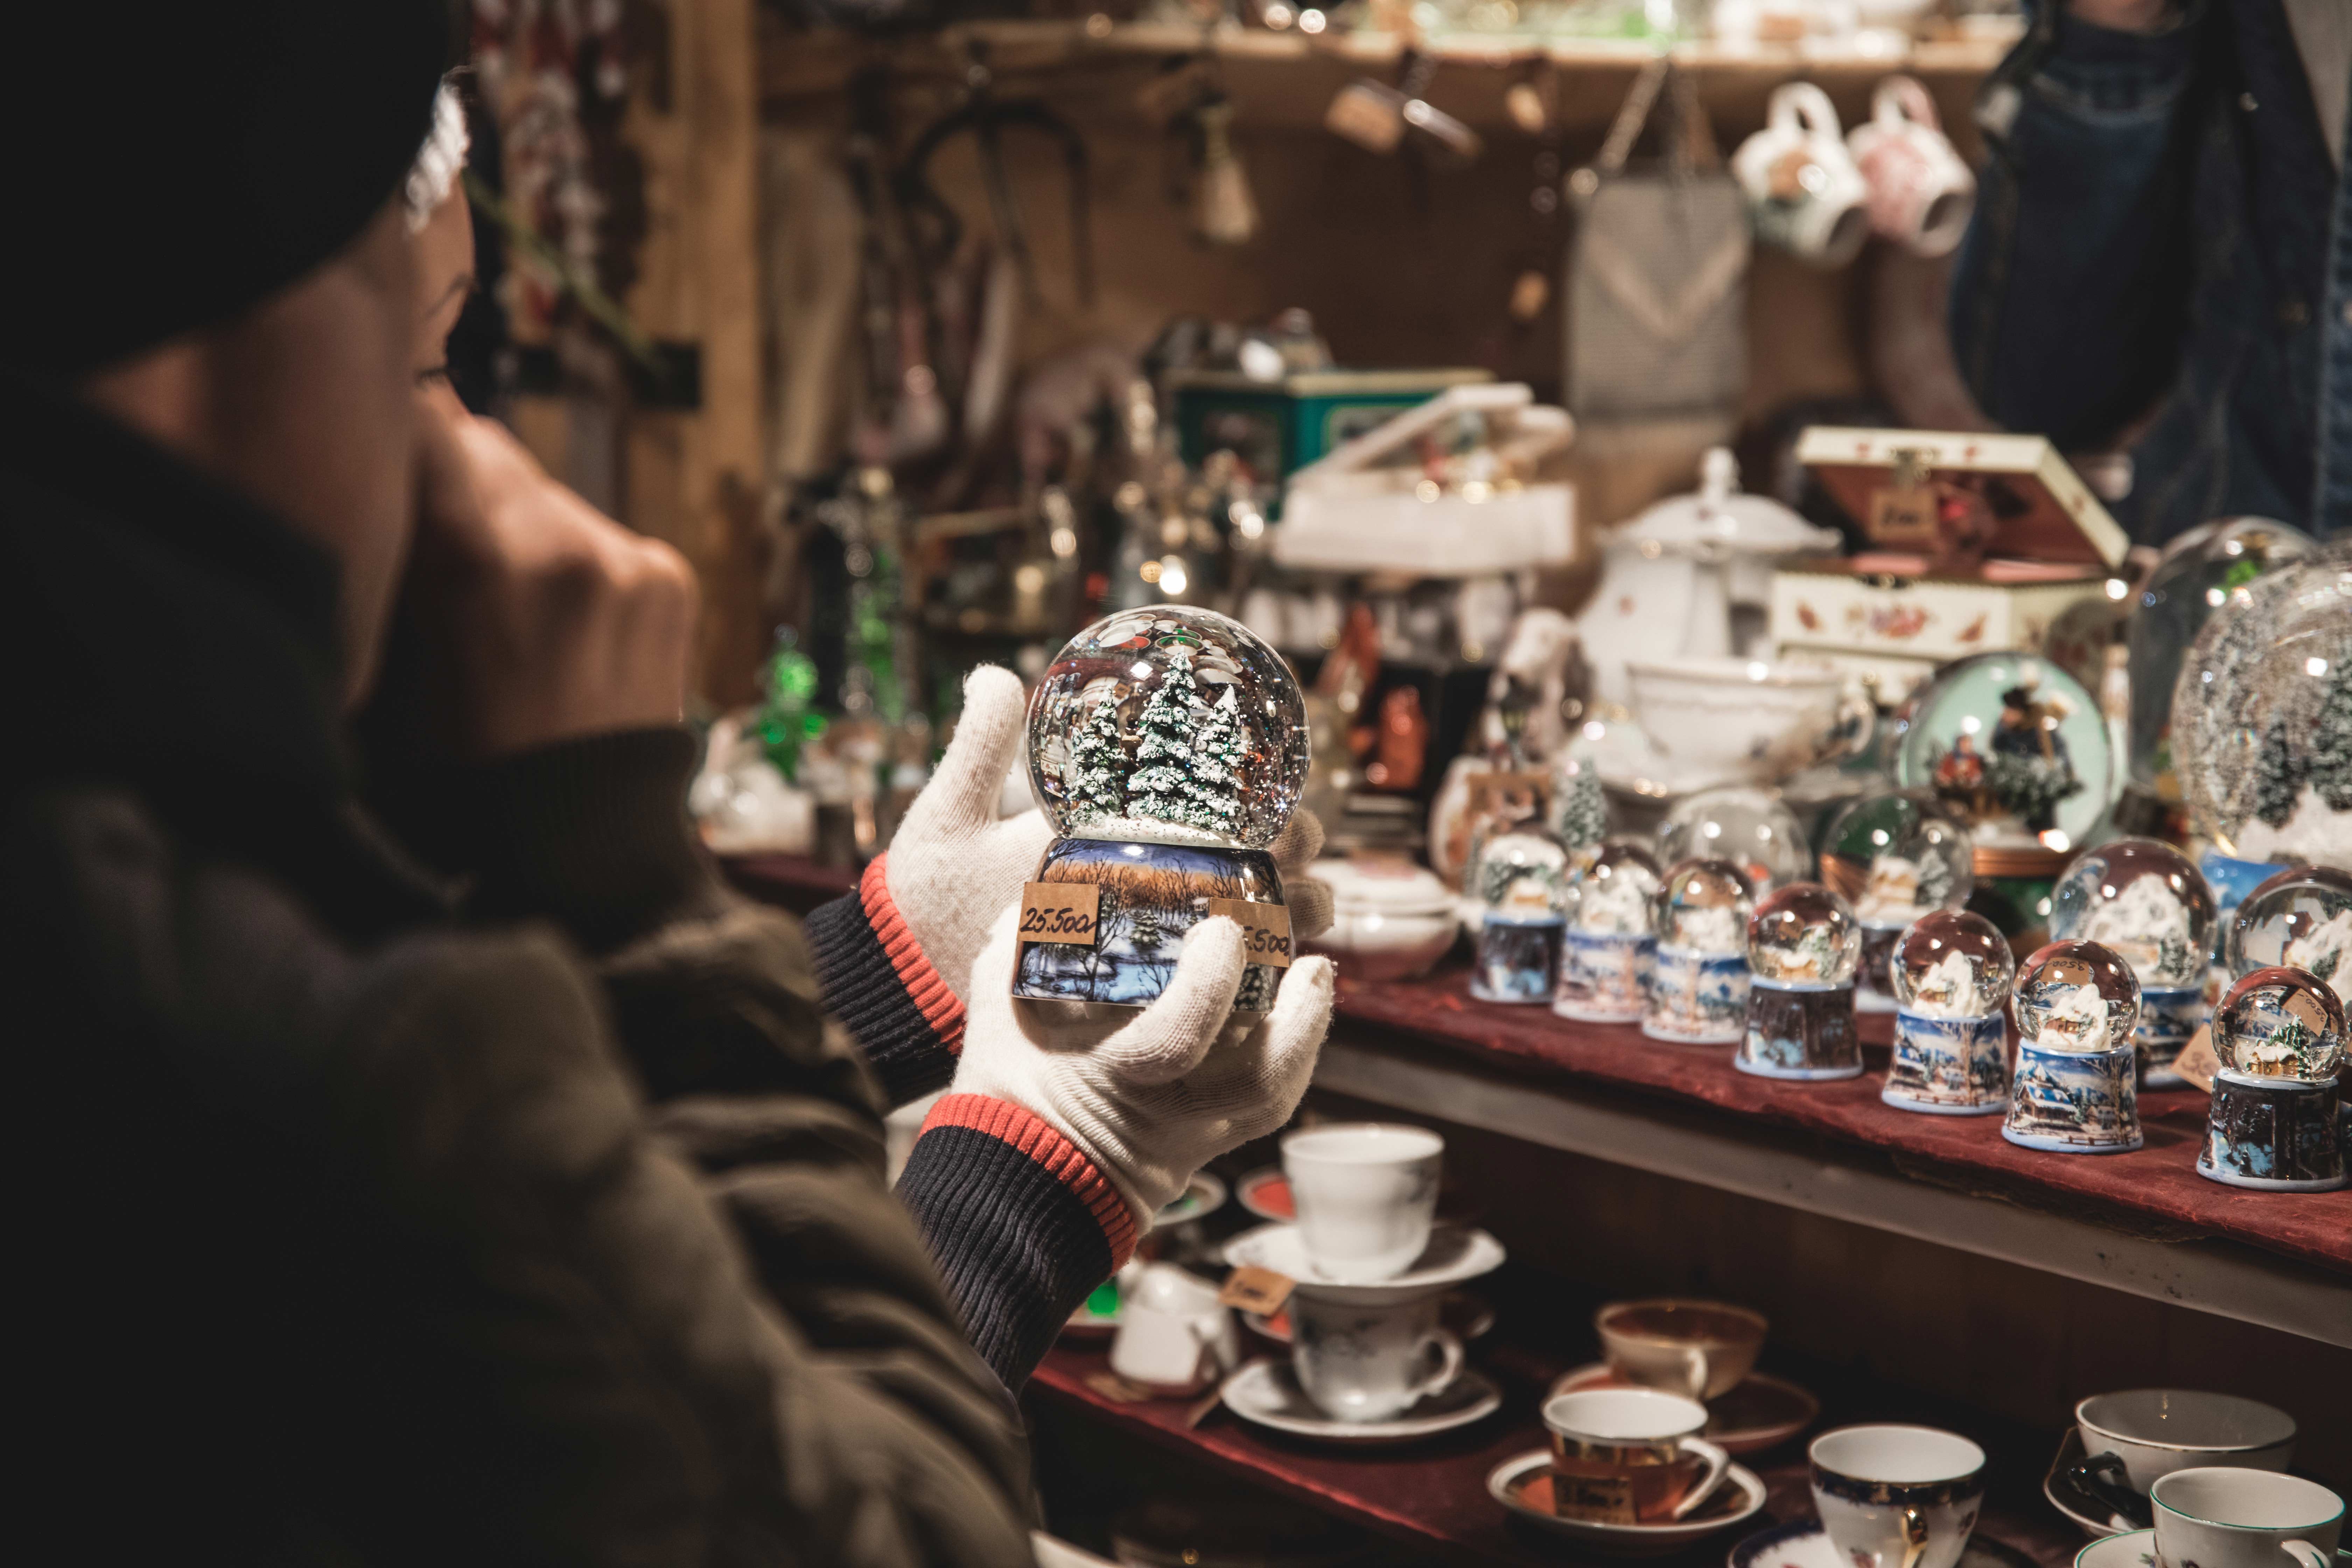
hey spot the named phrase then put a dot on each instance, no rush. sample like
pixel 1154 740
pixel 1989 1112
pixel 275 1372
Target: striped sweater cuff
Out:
pixel 885 992
pixel 1021 1224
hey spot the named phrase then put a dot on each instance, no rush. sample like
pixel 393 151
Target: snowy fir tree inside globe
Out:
pixel 1168 746
pixel 1746 825
pixel 1803 934
pixel 2141 899
pixel 1702 907
pixel 1952 963
pixel 1611 897
pixel 2261 717
pixel 2075 997
pixel 2300 918
pixel 1895 855
pixel 2280 1023
pixel 1579 812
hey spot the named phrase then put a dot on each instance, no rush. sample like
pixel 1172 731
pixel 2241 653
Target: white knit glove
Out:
pixel 954 865
pixel 1187 1080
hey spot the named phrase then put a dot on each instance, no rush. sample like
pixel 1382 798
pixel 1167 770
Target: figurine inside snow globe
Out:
pixel 1895 855
pixel 1521 879
pixel 1168 746
pixel 1802 946
pixel 1698 978
pixel 2274 1124
pixel 2076 1090
pixel 2015 747
pixel 2142 901
pixel 2300 918
pixel 1951 970
pixel 1744 825
pixel 1607 946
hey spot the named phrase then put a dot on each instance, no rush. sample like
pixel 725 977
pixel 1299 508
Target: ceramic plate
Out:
pixel 1758 1414
pixel 1265 1391
pixel 1203 1195
pixel 1266 1193
pixel 1469 1316
pixel 2096 1517
pixel 1454 1254
pixel 2132 1548
pixel 1523 1485
pixel 1805 1544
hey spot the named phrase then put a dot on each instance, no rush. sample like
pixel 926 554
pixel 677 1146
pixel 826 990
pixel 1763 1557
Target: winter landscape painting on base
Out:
pixel 1151 895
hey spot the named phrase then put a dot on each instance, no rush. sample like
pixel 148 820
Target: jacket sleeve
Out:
pixel 2069 297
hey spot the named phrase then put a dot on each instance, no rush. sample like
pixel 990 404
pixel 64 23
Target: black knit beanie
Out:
pixel 172 163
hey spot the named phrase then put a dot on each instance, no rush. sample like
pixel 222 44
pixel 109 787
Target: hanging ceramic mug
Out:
pixel 1921 193
pixel 1804 190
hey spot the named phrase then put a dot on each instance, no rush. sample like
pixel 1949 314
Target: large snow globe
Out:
pixel 2078 1085
pixel 1698 983
pixel 1606 949
pixel 1802 946
pixel 2141 899
pixel 2273 1123
pixel 1747 826
pixel 1521 879
pixel 2300 918
pixel 1168 746
pixel 1951 970
pixel 1895 855
pixel 2017 749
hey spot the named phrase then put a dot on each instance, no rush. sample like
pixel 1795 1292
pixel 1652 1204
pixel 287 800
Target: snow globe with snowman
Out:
pixel 2142 899
pixel 1802 946
pixel 2272 1125
pixel 1168 747
pixel 1698 972
pixel 1607 947
pixel 1895 855
pixel 1521 878
pixel 1951 970
pixel 2076 1088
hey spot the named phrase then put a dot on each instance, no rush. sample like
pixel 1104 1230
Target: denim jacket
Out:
pixel 2162 257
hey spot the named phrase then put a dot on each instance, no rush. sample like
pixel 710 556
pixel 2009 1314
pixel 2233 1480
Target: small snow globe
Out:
pixel 2015 748
pixel 2141 899
pixel 2076 1090
pixel 1802 946
pixel 1168 746
pixel 1744 825
pixel 1606 948
pixel 1698 984
pixel 1950 972
pixel 2300 918
pixel 2273 1123
pixel 1895 855
pixel 1521 879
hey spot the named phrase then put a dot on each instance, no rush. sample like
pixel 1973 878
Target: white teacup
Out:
pixel 1173 1338
pixel 1897 1496
pixel 1368 1362
pixel 1804 190
pixel 1629 1455
pixel 1366 1192
pixel 1921 193
pixel 2156 1431
pixel 2231 1518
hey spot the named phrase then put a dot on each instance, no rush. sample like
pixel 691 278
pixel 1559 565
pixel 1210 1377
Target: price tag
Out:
pixel 1265 929
pixel 1259 1291
pixel 1903 516
pixel 1060 911
pixel 2196 1062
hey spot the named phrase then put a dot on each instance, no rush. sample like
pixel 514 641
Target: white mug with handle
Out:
pixel 2226 1517
pixel 1804 190
pixel 1921 192
pixel 1173 1338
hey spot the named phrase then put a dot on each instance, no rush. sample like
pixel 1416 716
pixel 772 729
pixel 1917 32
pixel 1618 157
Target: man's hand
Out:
pixel 534 617
pixel 2125 16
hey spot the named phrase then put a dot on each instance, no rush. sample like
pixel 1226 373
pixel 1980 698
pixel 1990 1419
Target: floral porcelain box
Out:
pixel 1983 543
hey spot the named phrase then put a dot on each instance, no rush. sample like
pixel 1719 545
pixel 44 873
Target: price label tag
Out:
pixel 1903 516
pixel 1265 929
pixel 1259 1291
pixel 2196 1062
pixel 1060 911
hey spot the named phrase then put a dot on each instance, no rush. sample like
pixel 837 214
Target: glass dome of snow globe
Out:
pixel 2199 572
pixel 1803 934
pixel 2261 717
pixel 2141 899
pixel 1703 907
pixel 2280 1025
pixel 1746 825
pixel 2012 745
pixel 2075 997
pixel 1952 963
pixel 2300 918
pixel 1896 854
pixel 1611 897
pixel 1522 874
pixel 1169 725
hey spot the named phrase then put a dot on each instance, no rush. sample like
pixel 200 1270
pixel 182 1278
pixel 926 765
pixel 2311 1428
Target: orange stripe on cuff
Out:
pixel 929 992
pixel 1024 1131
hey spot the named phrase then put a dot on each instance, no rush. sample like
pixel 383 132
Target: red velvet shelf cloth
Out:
pixel 2156 1186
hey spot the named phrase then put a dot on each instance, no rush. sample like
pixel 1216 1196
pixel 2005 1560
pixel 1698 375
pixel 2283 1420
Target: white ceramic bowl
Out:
pixel 1740 717
pixel 1389 922
pixel 2157 1431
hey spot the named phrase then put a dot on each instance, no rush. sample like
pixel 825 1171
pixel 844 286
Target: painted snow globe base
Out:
pixel 2273 1136
pixel 1604 977
pixel 2075 1102
pixel 2169 1016
pixel 1697 998
pixel 1801 1032
pixel 1519 960
pixel 1149 896
pixel 1947 1066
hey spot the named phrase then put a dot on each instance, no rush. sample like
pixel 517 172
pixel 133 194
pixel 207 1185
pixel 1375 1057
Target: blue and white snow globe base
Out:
pixel 1149 896
pixel 1949 1067
pixel 2273 1135
pixel 2075 1102
pixel 2168 1016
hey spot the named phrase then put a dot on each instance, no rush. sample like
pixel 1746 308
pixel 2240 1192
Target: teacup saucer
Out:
pixel 1469 1316
pixel 1203 1195
pixel 1265 1192
pixel 1266 1391
pixel 1756 1413
pixel 1803 1543
pixel 1454 1254
pixel 1523 1485
pixel 2131 1549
